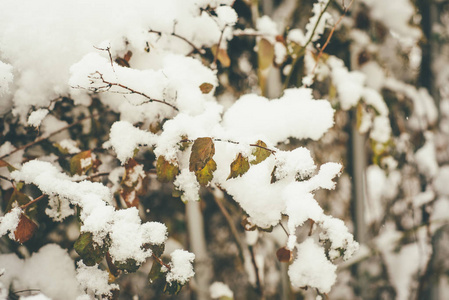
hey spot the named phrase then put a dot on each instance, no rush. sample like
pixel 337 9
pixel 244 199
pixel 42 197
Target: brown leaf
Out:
pixel 6 164
pixel 247 225
pixel 222 56
pixel 132 183
pixel 203 149
pixel 284 255
pixel 25 229
pixel 260 153
pixel 81 163
pixel 205 175
pixel 265 54
pixel 206 87
pixel 165 170
pixel 239 166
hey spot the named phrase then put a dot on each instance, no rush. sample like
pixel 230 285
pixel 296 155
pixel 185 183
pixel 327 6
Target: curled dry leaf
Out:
pixel 239 166
pixel 284 255
pixel 206 87
pixel 25 229
pixel 205 175
pixel 260 153
pixel 202 151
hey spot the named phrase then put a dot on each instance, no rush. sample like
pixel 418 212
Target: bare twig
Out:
pixel 43 138
pixel 95 175
pixel 25 206
pixel 346 8
pixel 256 270
pixel 131 90
pixel 218 46
pixel 160 261
pixel 6 178
pixel 231 226
pixel 195 48
pixel 285 230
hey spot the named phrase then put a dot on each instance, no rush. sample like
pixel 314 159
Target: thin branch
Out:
pixel 256 270
pixel 24 291
pixel 110 84
pixel 160 261
pixel 312 222
pixel 214 63
pixel 331 34
pixel 231 226
pixel 252 145
pixel 43 138
pixel 285 230
pixel 96 175
pixel 302 50
pixel 6 178
pixel 25 206
pixel 195 48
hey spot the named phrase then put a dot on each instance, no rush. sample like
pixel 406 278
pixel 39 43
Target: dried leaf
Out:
pixel 239 166
pixel 273 175
pixel 132 183
pixel 89 251
pixel 222 56
pixel 202 151
pixel 81 163
pixel 284 255
pixel 265 54
pixel 205 175
pixel 206 87
pixel 260 153
pixel 247 225
pixel 25 229
pixel 165 170
pixel 6 164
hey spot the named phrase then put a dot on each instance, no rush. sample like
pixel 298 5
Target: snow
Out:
pixel 311 267
pixel 226 15
pixel 96 281
pixel 316 25
pixel 6 78
pixel 220 289
pixel 395 15
pixel 58 208
pixel 187 183
pixel 9 222
pixel 181 269
pixel 441 181
pixel 70 146
pixel 55 268
pixel 381 131
pixel 426 157
pixel 125 138
pixel 273 123
pixel 36 117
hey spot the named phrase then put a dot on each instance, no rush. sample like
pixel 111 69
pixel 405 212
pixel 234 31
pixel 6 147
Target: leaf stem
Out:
pixel 25 206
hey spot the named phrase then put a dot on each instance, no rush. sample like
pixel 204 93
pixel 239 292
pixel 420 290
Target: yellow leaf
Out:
pixel 205 175
pixel 239 166
pixel 165 170
pixel 260 153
